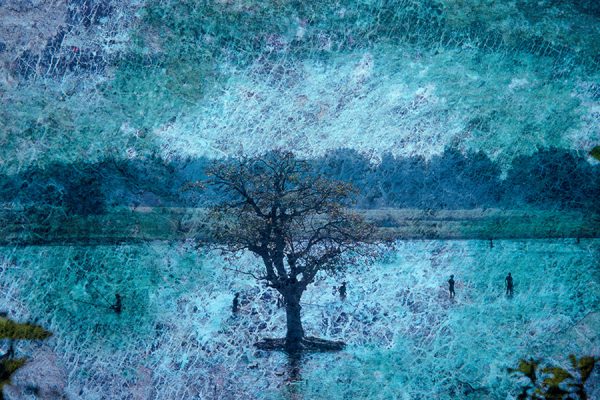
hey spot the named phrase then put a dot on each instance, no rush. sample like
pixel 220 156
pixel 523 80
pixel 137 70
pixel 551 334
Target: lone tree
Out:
pixel 295 222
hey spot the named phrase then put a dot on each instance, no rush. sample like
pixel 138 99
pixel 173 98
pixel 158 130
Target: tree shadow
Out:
pixel 307 344
pixel 294 379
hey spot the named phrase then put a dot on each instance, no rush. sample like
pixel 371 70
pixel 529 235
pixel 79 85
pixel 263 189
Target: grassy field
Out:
pixel 125 225
pixel 177 338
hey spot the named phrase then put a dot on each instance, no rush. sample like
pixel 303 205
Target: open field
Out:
pixel 177 338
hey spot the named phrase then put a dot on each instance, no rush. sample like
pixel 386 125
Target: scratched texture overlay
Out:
pixel 434 108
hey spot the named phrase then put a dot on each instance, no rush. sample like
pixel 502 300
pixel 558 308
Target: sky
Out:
pixel 83 81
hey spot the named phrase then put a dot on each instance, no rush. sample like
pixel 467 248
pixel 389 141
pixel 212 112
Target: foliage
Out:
pixel 7 368
pixel 280 210
pixel 21 331
pixel 554 178
pixel 11 330
pixel 548 179
pixel 552 382
pixel 595 152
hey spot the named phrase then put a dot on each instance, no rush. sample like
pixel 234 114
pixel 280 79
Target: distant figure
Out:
pixel 491 243
pixel 236 303
pixel 118 306
pixel 509 285
pixel 342 291
pixel 280 301
pixel 578 241
pixel 451 286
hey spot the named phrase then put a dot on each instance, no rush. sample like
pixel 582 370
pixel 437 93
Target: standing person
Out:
pixel 342 291
pixel 118 306
pixel 509 285
pixel 451 286
pixel 236 303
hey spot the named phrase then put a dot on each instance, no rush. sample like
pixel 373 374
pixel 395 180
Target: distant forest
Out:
pixel 548 179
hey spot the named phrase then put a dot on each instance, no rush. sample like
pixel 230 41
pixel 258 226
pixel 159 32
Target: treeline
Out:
pixel 549 179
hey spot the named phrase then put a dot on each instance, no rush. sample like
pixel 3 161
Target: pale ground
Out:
pixel 406 339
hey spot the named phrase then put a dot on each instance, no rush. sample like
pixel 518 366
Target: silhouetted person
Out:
pixel 236 303
pixel 280 301
pixel 118 306
pixel 451 286
pixel 509 285
pixel 491 243
pixel 342 291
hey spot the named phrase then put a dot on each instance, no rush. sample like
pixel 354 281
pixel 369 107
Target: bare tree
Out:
pixel 295 222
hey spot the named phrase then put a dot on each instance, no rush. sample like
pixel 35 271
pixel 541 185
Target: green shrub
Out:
pixel 549 382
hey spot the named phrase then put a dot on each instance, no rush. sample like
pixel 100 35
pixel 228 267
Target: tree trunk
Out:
pixel 295 332
pixel 295 342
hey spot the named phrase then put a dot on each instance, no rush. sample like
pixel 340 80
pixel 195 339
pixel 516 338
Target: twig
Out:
pixel 92 304
pixel 247 273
